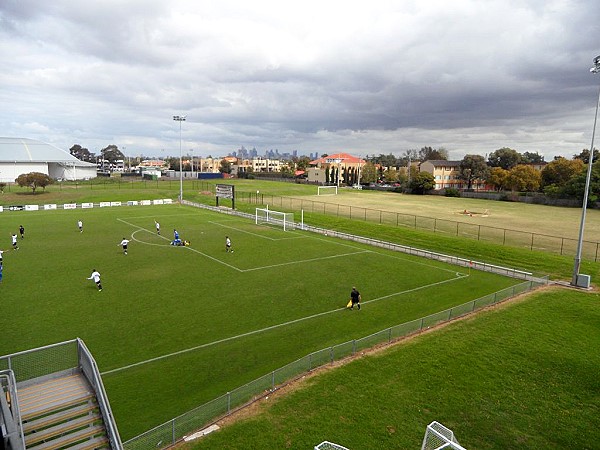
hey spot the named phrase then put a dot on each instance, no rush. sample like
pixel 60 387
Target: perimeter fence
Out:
pixel 505 236
pixel 176 429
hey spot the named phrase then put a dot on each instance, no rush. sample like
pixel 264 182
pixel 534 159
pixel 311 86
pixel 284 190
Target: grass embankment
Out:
pixel 522 375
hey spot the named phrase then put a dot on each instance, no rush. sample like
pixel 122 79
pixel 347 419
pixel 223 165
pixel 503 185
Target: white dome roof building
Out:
pixel 19 156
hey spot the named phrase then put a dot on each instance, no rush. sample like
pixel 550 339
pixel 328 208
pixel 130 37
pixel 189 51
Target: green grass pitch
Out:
pixel 175 327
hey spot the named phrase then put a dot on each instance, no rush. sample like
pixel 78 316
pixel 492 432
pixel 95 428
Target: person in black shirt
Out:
pixel 355 298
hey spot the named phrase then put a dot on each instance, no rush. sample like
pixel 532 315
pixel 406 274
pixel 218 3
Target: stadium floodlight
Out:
pixel 180 119
pixel 575 280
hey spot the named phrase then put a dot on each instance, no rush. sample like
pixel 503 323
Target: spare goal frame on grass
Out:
pixel 327 188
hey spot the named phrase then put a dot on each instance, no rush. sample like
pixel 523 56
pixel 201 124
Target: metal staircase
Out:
pixel 57 405
pixel 61 412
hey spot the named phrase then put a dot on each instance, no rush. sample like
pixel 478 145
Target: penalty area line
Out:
pixel 272 327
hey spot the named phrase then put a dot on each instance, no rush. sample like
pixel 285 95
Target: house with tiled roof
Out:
pixel 338 168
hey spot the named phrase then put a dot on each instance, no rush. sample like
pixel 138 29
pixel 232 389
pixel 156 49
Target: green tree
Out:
pixel 576 186
pixel 225 166
pixel 302 162
pixel 34 180
pixel 532 158
pixel 585 155
pixel 391 176
pixel 524 178
pixel 507 158
pixel 368 173
pixel 472 167
pixel 560 171
pixel 421 183
pixel 429 153
pixel 498 178
pixel 82 154
pixel 112 153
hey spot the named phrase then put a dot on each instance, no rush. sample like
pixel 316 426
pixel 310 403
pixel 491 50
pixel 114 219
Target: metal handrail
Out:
pixel 14 408
pixel 85 356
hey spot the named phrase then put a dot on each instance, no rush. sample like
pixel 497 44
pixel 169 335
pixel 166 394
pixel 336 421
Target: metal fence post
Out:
pixel 273 380
pixel 173 431
pixel 229 403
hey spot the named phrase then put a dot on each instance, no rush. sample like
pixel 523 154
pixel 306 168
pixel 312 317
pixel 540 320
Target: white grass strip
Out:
pixel 280 325
pixel 302 261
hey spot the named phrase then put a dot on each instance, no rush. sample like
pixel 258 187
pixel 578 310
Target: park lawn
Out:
pixel 519 375
pixel 541 219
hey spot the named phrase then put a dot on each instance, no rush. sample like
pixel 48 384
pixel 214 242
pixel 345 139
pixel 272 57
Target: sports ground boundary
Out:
pixel 211 412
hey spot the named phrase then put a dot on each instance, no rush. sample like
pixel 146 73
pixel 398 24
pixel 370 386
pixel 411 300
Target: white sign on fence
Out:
pixel 70 206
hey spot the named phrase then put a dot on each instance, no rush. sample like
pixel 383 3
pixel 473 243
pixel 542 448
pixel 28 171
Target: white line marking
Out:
pixel 305 261
pixel 272 327
pixel 187 248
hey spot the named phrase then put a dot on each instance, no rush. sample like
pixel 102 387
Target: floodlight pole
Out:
pixel 180 119
pixel 577 265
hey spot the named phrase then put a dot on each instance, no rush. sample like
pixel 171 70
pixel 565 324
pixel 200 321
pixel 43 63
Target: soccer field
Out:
pixel 175 327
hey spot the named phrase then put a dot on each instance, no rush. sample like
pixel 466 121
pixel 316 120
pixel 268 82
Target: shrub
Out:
pixel 452 192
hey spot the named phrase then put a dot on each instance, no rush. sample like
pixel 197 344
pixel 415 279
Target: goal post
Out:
pixel 438 437
pixel 327 190
pixel 277 218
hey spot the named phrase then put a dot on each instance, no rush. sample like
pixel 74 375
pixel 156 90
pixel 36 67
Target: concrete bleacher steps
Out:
pixel 61 413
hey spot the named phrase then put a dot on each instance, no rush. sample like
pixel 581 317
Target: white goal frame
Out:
pixel 326 188
pixel 438 437
pixel 266 215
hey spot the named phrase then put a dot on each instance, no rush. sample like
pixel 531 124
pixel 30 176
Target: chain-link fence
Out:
pixel 42 361
pixel 514 238
pixel 170 432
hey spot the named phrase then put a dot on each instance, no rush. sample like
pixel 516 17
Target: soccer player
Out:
pixel 355 298
pixel 14 241
pixel 0 272
pixel 96 277
pixel 227 244
pixel 175 235
pixel 80 226
pixel 22 231
pixel 157 227
pixel 123 244
pixel 1 251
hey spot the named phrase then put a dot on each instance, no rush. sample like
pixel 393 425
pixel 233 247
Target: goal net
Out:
pixel 327 190
pixel 438 437
pixel 326 445
pixel 276 218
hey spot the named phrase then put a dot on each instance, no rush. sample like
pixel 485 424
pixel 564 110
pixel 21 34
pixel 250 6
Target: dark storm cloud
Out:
pixel 321 76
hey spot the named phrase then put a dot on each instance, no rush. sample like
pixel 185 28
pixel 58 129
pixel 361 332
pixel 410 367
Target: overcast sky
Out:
pixel 363 77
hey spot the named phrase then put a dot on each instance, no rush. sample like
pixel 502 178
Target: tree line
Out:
pixel 505 169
